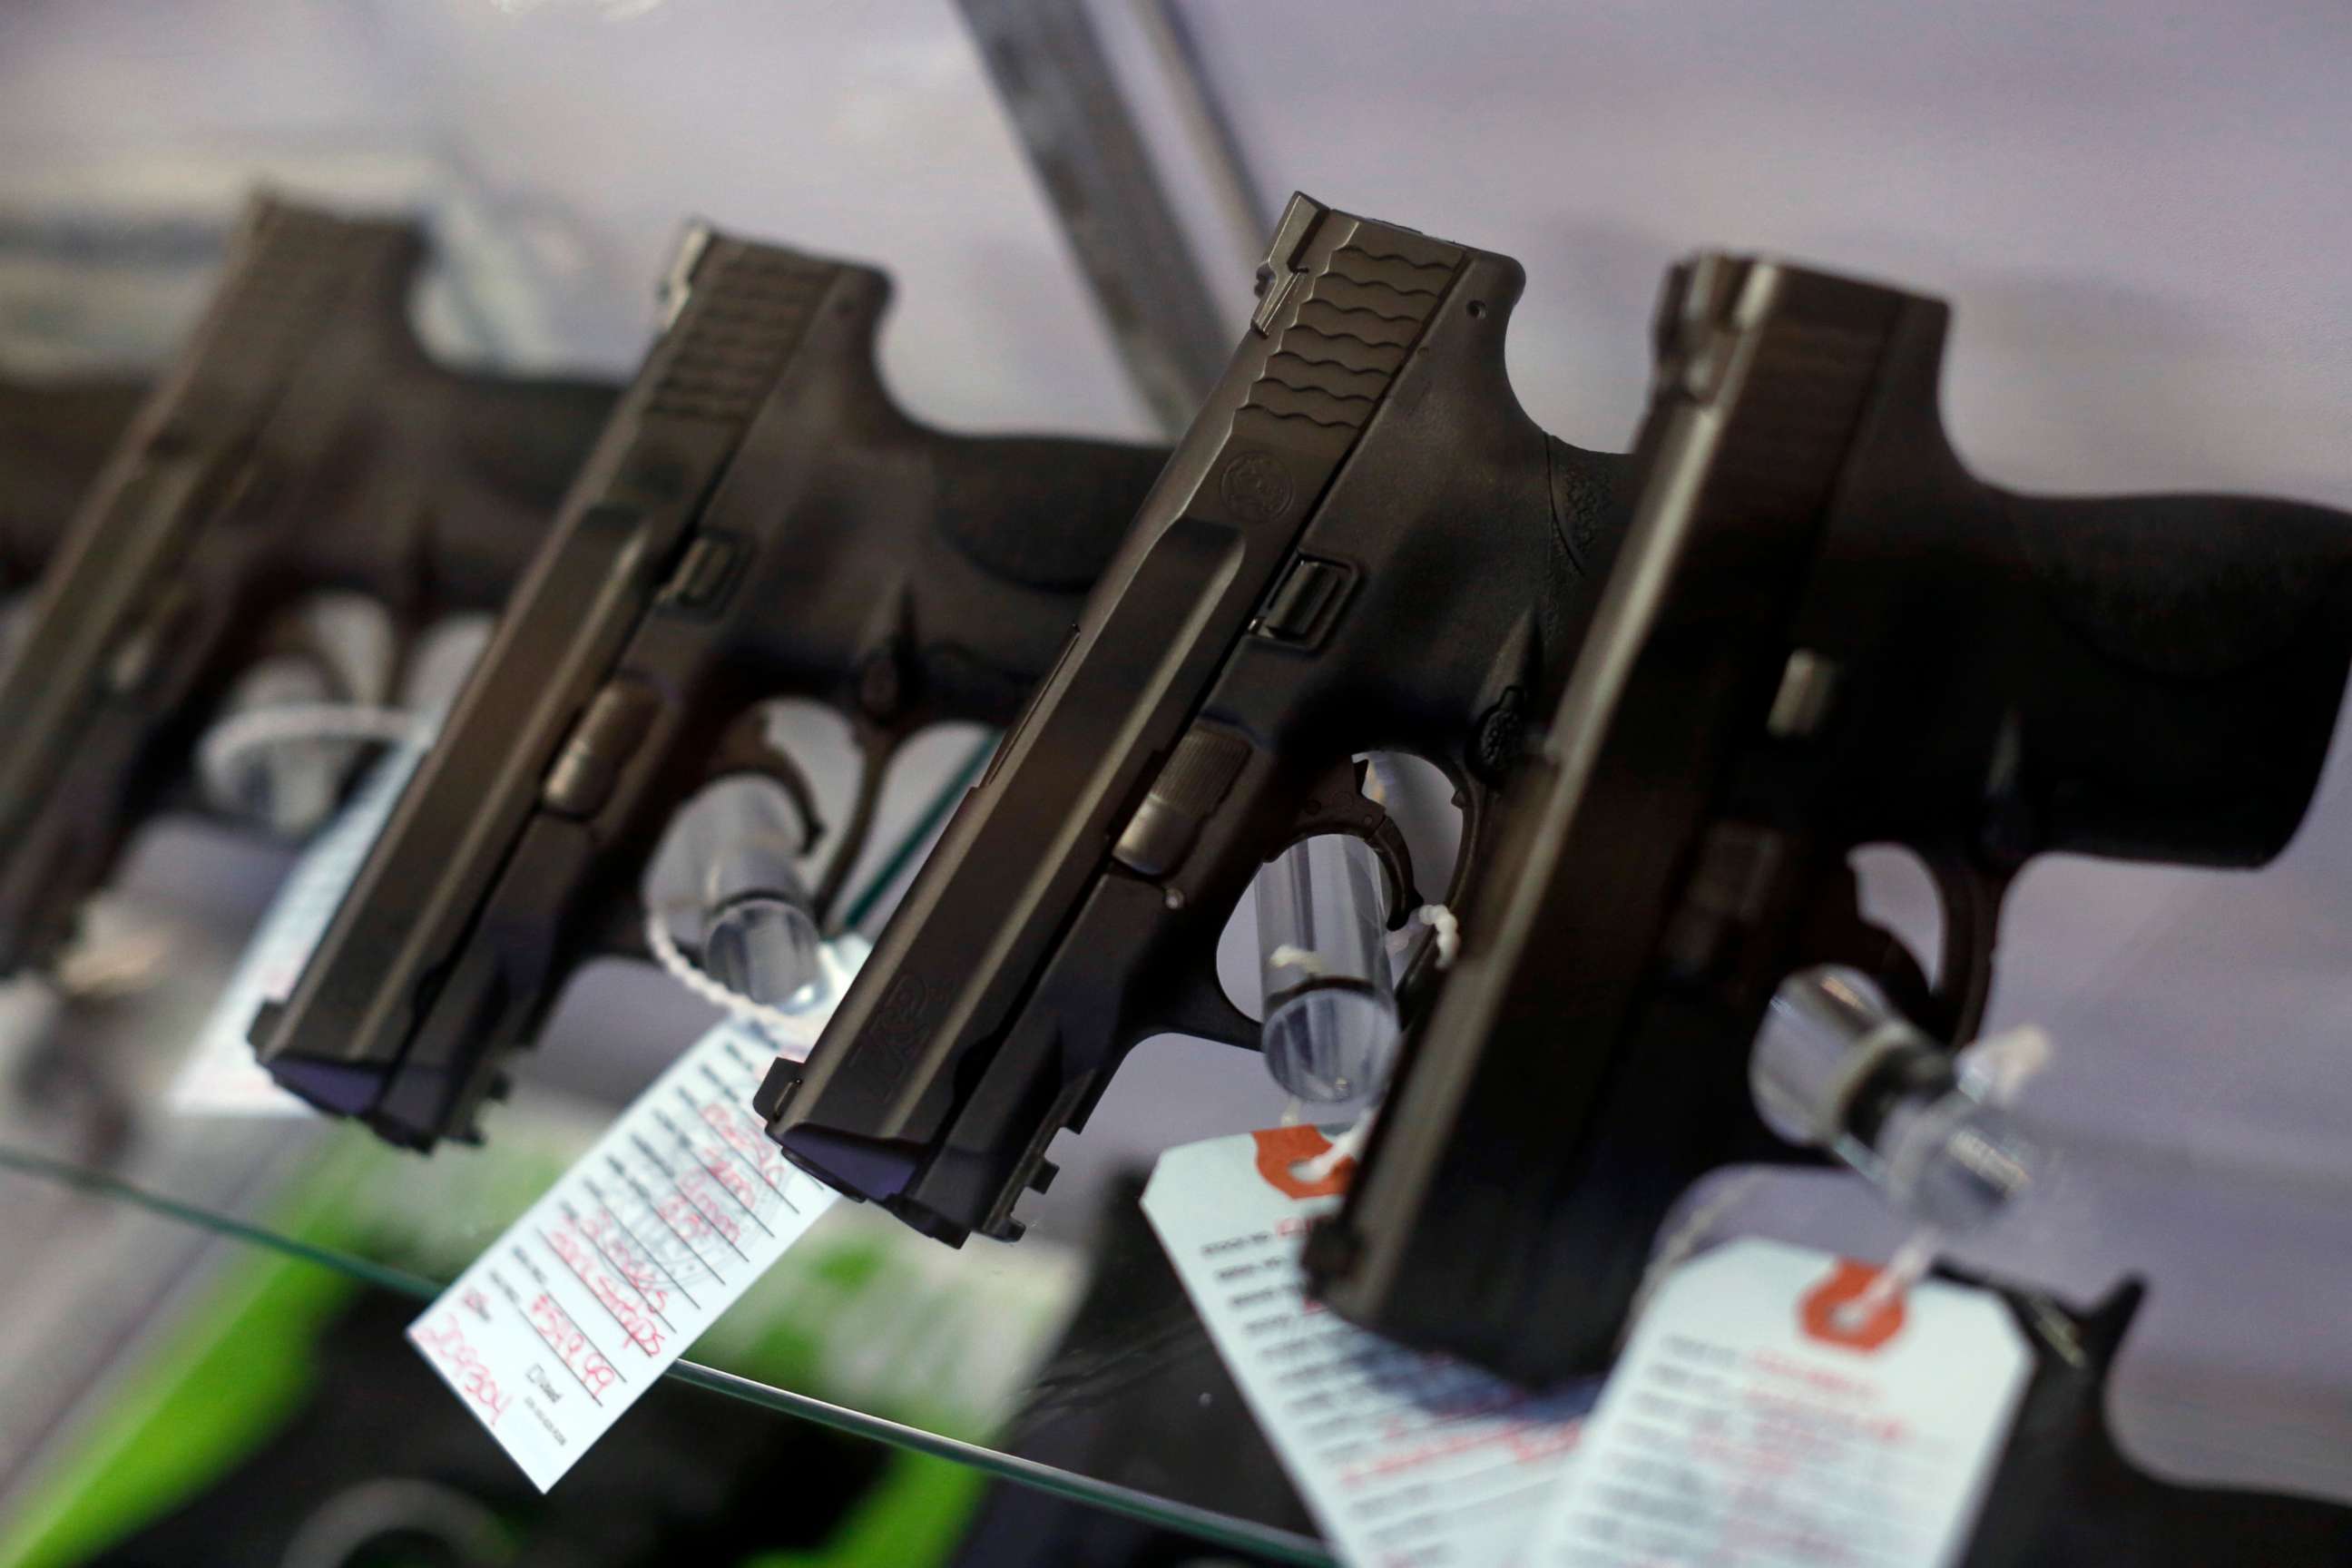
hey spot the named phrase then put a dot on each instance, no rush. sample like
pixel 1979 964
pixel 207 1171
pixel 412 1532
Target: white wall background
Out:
pixel 2139 209
pixel 865 130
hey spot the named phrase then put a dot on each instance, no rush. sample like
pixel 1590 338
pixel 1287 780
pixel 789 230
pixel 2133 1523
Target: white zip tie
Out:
pixel 1440 919
pixel 1305 960
pixel 2004 1063
pixel 771 1020
pixel 1905 1268
pixel 282 724
pixel 1349 1145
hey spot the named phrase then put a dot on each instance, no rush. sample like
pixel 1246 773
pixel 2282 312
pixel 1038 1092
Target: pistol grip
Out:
pixel 1040 513
pixel 2178 666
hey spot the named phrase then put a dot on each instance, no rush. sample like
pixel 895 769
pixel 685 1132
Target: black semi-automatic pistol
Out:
pixel 1363 544
pixel 303 443
pixel 55 434
pixel 1821 632
pixel 758 520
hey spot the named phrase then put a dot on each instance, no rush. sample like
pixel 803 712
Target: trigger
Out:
pixel 1396 861
pixel 745 748
pixel 1835 932
pixel 1339 805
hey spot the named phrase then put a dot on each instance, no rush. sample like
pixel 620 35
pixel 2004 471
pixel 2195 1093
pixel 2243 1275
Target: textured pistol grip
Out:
pixel 1041 512
pixel 2186 707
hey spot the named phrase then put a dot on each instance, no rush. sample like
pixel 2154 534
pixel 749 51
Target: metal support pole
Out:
pixel 1050 69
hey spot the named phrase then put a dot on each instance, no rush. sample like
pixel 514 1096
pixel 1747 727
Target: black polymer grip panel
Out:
pixel 759 521
pixel 2221 649
pixel 301 443
pixel 1028 510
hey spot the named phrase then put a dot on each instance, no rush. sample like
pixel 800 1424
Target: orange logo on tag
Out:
pixel 1280 1148
pixel 1821 1312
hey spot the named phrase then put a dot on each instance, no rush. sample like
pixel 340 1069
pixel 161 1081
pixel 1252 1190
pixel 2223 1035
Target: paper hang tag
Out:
pixel 220 1076
pixel 1402 1457
pixel 1755 1419
pixel 565 1321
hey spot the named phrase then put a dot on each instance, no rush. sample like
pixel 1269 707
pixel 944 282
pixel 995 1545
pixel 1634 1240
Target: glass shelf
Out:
pixel 2194 1108
pixel 861 1328
pixel 1070 1363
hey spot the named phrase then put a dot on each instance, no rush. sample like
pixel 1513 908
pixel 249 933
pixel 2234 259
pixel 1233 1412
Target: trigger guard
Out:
pixel 1971 894
pixel 1205 1012
pixel 1833 929
pixel 745 748
pixel 1338 804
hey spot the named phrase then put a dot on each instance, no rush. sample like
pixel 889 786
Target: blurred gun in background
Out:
pixel 300 494
pixel 758 520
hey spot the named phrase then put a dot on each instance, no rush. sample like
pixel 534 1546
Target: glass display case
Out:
pixel 2190 1121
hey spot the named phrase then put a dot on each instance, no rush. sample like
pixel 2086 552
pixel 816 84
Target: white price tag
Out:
pixel 1403 1457
pixel 220 1076
pixel 1750 1421
pixel 587 1299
